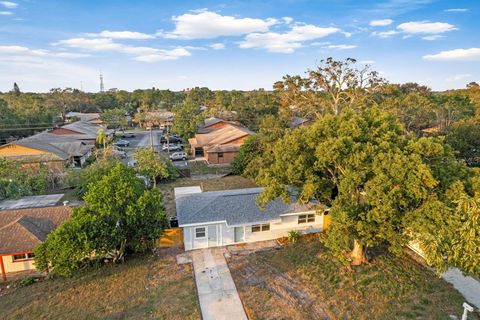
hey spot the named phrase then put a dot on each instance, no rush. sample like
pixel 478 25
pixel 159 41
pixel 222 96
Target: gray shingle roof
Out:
pixel 46 200
pixel 236 207
pixel 62 146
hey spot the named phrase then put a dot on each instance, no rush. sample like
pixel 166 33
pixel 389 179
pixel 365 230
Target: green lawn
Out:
pixel 147 287
pixel 303 281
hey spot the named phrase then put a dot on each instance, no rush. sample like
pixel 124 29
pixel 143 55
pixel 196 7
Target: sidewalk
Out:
pixel 469 287
pixel 216 290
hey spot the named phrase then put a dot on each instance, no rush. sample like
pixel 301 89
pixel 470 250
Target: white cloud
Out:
pixel 5 13
pixel 471 54
pixel 161 55
pixel 24 51
pixel 286 42
pixel 367 62
pixel 98 44
pixel 433 37
pixel 425 27
pixel 9 4
pixel 140 53
pixel 384 34
pixel 287 20
pixel 217 46
pixel 458 77
pixel 456 10
pixel 125 35
pixel 381 22
pixel 341 46
pixel 204 24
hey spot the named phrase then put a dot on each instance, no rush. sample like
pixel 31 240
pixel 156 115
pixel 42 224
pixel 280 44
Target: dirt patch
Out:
pixel 281 288
pixel 304 281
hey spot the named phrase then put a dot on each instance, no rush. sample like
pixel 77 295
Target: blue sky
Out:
pixel 232 44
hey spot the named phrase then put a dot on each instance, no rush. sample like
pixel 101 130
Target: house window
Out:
pixel 306 218
pixel 261 227
pixel 220 154
pixel 200 233
pixel 22 257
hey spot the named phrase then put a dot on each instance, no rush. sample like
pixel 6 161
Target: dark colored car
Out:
pixel 122 143
pixel 172 139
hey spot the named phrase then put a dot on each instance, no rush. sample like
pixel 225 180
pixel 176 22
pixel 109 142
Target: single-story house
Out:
pixel 21 230
pixel 220 145
pixel 47 149
pixel 80 130
pixel 91 117
pixel 219 218
pixel 300 122
pixel 214 123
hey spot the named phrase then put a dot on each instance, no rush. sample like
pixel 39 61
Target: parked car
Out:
pixel 172 139
pixel 182 155
pixel 128 135
pixel 132 163
pixel 172 147
pixel 122 143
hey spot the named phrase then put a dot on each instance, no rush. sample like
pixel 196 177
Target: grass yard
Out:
pixel 149 287
pixel 228 182
pixel 303 281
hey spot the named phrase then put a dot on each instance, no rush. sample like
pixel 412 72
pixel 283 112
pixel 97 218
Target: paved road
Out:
pixel 216 290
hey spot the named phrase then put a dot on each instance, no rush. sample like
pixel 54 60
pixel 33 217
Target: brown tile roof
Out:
pixel 21 230
pixel 224 148
pixel 222 135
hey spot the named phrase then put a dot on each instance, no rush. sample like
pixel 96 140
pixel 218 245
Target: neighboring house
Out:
pixel 47 149
pixel 220 145
pixel 219 218
pixel 213 123
pixel 80 130
pixel 154 118
pixel 92 117
pixel 68 145
pixel 21 230
pixel 300 122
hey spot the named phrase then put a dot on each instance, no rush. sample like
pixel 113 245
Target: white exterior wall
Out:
pixel 225 235
pixel 281 228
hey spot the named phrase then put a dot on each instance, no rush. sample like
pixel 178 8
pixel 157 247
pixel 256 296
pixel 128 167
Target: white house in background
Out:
pixel 219 218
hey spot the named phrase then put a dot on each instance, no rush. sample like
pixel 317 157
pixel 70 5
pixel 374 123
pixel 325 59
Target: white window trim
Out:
pixel 261 227
pixel 306 218
pixel 204 231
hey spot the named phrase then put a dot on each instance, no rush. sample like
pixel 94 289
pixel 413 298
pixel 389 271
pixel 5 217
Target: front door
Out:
pixel 212 236
pixel 239 234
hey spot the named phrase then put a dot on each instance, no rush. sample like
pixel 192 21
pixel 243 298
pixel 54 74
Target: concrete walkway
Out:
pixel 216 290
pixel 469 287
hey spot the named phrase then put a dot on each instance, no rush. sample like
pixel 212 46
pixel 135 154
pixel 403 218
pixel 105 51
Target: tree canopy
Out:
pixel 119 216
pixel 375 178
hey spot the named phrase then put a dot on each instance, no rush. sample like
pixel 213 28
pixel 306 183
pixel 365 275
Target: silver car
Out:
pixel 182 155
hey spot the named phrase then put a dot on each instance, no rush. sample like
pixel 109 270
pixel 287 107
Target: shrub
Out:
pixel 293 236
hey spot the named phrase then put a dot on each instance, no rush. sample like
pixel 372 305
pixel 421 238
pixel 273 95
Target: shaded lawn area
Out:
pixel 303 281
pixel 228 182
pixel 145 287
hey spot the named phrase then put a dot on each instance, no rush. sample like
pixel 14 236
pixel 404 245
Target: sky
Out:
pixel 228 45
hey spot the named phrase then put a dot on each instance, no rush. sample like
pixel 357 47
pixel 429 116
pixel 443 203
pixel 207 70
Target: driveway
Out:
pixel 216 290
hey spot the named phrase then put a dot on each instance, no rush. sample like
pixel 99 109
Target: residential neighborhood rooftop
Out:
pixel 23 229
pixel 47 200
pixel 236 207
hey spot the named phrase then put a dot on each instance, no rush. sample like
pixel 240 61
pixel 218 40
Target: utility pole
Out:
pixel 168 138
pixel 151 138
pixel 102 88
